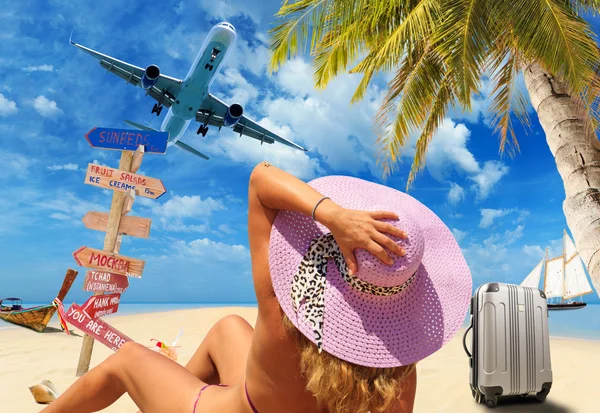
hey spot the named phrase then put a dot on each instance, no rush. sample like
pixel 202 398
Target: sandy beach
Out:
pixel 27 357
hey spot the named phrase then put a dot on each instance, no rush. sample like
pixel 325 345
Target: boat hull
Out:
pixel 36 318
pixel 566 306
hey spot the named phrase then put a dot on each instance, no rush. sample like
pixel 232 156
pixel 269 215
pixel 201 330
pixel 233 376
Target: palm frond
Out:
pixel 507 98
pixel 436 116
pixel 589 7
pixel 291 36
pixel 560 40
pixel 463 36
pixel 408 101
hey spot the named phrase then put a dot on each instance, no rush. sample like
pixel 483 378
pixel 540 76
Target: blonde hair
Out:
pixel 344 387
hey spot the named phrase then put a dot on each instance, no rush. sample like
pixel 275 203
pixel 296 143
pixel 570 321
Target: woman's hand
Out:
pixel 362 229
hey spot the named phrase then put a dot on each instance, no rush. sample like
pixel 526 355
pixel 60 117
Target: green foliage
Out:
pixel 440 51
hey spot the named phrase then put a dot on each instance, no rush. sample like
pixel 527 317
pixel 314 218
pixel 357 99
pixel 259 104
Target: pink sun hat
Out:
pixel 382 316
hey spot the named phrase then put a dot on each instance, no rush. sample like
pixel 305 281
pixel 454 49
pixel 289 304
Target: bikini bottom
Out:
pixel 224 385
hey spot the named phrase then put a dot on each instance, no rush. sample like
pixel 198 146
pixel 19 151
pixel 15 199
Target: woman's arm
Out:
pixel 272 189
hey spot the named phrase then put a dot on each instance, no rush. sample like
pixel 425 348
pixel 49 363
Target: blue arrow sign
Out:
pixel 128 140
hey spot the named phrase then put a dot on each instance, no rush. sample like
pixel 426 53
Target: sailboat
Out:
pixel 564 278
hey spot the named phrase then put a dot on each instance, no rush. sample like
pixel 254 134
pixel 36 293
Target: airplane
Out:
pixel 190 98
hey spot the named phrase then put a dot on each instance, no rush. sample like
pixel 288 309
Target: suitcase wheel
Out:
pixel 524 395
pixel 541 396
pixel 477 396
pixel 491 401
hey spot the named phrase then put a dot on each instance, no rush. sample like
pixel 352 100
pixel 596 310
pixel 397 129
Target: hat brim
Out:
pixel 368 330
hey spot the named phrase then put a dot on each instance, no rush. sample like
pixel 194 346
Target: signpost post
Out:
pixel 110 271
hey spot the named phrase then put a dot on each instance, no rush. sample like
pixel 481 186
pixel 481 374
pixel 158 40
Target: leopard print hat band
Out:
pixel 308 284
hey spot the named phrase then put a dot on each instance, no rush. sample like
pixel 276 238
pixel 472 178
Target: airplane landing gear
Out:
pixel 157 109
pixel 202 130
pixel 208 66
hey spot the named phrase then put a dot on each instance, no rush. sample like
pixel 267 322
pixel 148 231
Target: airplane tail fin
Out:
pixel 189 149
pixel 140 126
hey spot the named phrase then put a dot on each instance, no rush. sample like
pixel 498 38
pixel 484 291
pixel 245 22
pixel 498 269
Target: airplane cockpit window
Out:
pixel 215 52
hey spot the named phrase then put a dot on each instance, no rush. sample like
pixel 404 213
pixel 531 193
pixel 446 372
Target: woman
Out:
pixel 338 330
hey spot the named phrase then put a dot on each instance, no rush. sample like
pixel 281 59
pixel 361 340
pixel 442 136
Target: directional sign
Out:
pixel 128 140
pixel 98 329
pixel 100 305
pixel 105 282
pixel 132 226
pixel 105 261
pixel 115 179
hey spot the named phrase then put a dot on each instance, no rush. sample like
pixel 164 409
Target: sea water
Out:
pixel 583 323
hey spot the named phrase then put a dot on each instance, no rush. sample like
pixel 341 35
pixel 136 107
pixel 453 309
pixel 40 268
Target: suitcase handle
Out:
pixel 465 340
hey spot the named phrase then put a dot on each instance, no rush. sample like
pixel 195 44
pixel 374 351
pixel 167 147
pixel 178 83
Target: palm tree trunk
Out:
pixel 577 153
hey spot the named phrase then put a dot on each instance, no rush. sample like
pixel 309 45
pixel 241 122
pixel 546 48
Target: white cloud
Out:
pixel 456 193
pixel 251 152
pixel 14 165
pixel 60 216
pixel 70 205
pixel 448 152
pixel 46 107
pixel 188 207
pixel 226 9
pixel 7 107
pixel 488 177
pixel 224 228
pixel 177 225
pixel 42 68
pixel 488 216
pixel 491 257
pixel 458 234
pixel 66 167
pixel 534 251
pixel 243 91
pixel 206 248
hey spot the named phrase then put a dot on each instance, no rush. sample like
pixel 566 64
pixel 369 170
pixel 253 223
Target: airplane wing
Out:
pixel 213 111
pixel 165 90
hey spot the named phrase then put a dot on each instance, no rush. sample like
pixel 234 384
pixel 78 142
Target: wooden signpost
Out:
pixel 132 226
pixel 106 261
pixel 109 271
pixel 115 179
pixel 96 328
pixel 98 305
pixel 105 282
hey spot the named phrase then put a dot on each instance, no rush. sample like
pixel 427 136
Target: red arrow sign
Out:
pixel 100 305
pixel 98 329
pixel 105 282
pixel 105 261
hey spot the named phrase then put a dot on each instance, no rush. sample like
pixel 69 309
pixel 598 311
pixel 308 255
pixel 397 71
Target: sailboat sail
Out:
pixel 533 279
pixel 576 282
pixel 569 245
pixel 554 282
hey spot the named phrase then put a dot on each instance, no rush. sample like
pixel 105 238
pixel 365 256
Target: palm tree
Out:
pixel 441 50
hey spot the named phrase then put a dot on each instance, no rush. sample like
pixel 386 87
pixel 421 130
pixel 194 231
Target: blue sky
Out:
pixel 504 211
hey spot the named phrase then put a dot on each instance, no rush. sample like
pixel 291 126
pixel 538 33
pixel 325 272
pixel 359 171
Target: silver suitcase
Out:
pixel 510 346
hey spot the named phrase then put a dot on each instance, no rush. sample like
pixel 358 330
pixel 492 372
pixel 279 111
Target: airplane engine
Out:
pixel 233 115
pixel 150 76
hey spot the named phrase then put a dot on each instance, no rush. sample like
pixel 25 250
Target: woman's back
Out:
pixel 273 374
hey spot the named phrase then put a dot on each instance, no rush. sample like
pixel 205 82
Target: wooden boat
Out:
pixel 564 278
pixel 36 318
